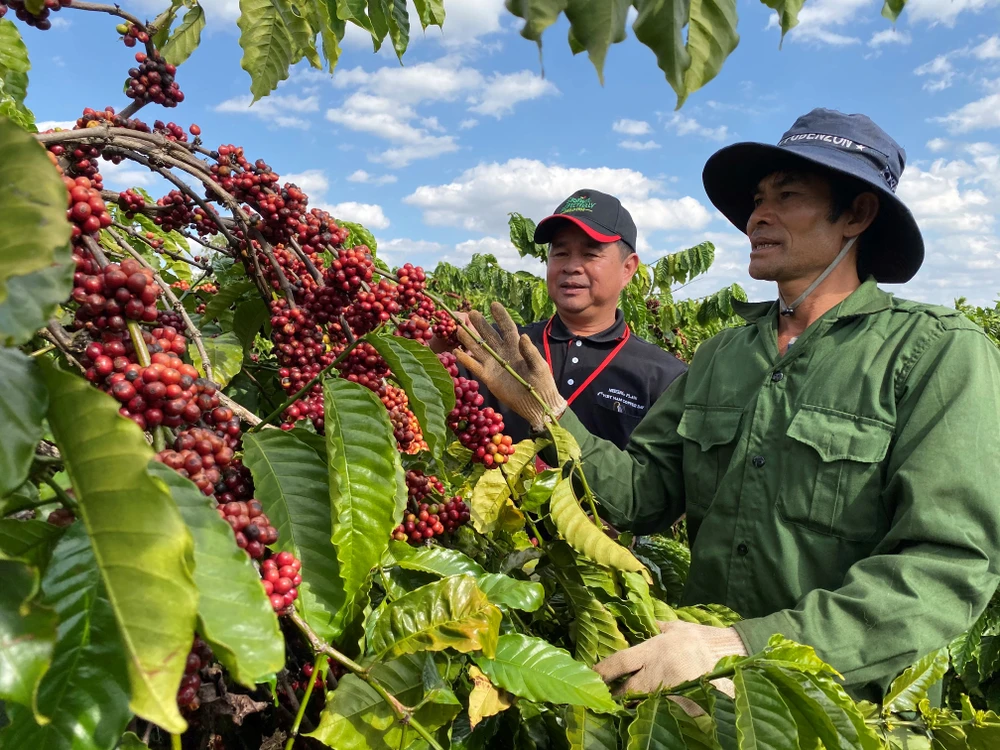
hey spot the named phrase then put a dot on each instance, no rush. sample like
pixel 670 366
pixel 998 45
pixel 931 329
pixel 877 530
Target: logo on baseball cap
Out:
pixel 600 215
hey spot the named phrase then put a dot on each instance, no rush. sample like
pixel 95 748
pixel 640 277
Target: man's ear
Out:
pixel 862 213
pixel 630 265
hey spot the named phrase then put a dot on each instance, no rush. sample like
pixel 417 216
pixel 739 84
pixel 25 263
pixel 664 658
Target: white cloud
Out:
pixel 938 201
pixel 632 145
pixel 60 22
pixel 481 197
pixel 988 50
pixel 467 21
pixel 469 122
pixel 368 214
pixel 361 175
pixel 936 145
pixel 313 182
pixel 504 91
pixel 945 11
pixel 631 127
pixel 386 119
pixel 52 124
pixel 398 251
pixel 978 115
pixel 683 125
pixel 442 80
pixel 274 109
pixel 940 72
pixel 889 36
pixel 819 17
pixel 128 174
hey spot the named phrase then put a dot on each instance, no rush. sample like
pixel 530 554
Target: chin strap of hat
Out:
pixel 790 309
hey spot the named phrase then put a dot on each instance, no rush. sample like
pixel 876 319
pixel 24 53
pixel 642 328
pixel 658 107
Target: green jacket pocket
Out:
pixel 834 479
pixel 710 435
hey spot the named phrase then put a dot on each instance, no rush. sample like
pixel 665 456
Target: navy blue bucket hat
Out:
pixel 892 248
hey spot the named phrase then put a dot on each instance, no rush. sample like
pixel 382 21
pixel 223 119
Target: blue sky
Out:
pixel 434 154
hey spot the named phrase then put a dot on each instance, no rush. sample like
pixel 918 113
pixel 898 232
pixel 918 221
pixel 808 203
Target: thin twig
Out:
pixel 282 279
pixel 404 714
pixel 113 10
pixel 138 343
pixel 55 334
pixel 260 387
pixel 95 250
pixel 313 271
pixel 161 250
pixel 317 669
pixel 194 333
pixel 246 415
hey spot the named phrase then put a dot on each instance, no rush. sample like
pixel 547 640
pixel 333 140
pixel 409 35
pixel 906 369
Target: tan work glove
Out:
pixel 683 651
pixel 518 351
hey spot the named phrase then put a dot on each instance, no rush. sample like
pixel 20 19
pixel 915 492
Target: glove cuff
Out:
pixel 722 642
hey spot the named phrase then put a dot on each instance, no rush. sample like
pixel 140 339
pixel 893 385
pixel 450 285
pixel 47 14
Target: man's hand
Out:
pixel 518 352
pixel 683 651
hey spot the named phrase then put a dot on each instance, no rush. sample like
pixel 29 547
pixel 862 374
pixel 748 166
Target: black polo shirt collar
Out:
pixel 559 331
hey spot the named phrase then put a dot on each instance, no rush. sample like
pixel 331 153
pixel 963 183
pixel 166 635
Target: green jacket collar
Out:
pixel 864 300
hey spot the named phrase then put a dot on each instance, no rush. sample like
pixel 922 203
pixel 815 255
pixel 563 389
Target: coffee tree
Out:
pixel 244 504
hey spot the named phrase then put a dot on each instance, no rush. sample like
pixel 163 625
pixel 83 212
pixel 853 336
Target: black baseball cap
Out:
pixel 851 145
pixel 600 215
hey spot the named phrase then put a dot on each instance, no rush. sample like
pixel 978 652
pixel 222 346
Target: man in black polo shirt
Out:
pixel 608 375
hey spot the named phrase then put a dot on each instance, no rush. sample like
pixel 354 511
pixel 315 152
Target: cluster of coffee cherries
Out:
pixel 130 202
pixel 280 577
pixel 429 520
pixel 198 658
pixel 153 81
pixel 40 21
pixel 307 672
pixel 479 430
pixel 86 209
pixel 110 295
pixel 250 524
pixel 131 34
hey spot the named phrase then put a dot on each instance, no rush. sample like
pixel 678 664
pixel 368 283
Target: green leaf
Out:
pixel 659 26
pixel 30 541
pixel 711 38
pixel 583 536
pixel 428 385
pixel 538 15
pixel 85 692
pixel 431 12
pixel 22 409
pixel 597 24
pixel 594 630
pixel 565 444
pixel 223 299
pixel 291 483
pixel 268 46
pixel 534 669
pixel 540 491
pixel 27 633
pixel 814 711
pixel 234 614
pixel 788 13
pixel 331 30
pixel 526 596
pixel 586 730
pixel 33 204
pixel 358 235
pixel 25 496
pixel 225 354
pixel 185 38
pixel 911 687
pixel 440 561
pixel 367 484
pixel 450 613
pixel 522 236
pixel 356 716
pixel 14 67
pixel 399 25
pixel 892 8
pixel 143 548
pixel 763 721
pixel 655 728
pixel 164 21
pixel 492 491
pixel 247 321
pixel 669 561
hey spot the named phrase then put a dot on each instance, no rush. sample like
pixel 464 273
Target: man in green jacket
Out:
pixel 835 456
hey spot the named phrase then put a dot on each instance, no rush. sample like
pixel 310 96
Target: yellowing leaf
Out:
pixel 485 700
pixel 493 489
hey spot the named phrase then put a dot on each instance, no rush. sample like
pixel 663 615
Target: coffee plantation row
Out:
pixel 243 503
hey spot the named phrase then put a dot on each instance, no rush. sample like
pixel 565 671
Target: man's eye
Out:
pixel 757 202
pixel 786 194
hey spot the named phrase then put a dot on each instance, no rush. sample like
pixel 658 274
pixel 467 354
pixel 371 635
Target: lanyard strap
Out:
pixel 598 370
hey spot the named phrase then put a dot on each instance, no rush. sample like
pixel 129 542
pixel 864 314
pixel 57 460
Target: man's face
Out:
pixel 791 235
pixel 584 273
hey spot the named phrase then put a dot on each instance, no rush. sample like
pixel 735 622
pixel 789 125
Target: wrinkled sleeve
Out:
pixel 641 487
pixel 933 574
